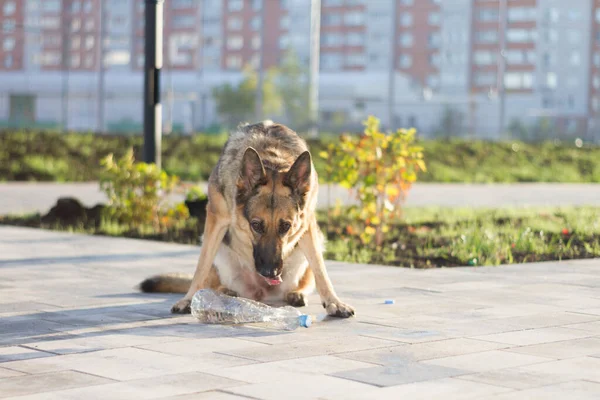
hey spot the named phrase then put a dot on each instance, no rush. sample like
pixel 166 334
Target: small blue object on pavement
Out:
pixel 389 302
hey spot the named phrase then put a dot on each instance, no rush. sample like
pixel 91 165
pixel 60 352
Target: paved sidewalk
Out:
pixel 20 197
pixel 72 326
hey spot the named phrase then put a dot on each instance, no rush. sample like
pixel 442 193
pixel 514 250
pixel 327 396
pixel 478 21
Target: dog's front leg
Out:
pixel 214 231
pixel 309 244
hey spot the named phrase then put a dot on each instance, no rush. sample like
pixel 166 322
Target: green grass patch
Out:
pixel 427 237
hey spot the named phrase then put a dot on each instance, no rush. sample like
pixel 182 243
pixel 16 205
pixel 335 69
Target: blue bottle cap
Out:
pixel 389 302
pixel 305 321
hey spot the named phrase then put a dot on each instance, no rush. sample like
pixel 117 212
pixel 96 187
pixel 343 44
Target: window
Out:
pixel 235 42
pixel 486 36
pixel 484 79
pixel 406 40
pixel 75 8
pixel 553 15
pixel 332 19
pixel 354 18
pixel 434 59
pixel 87 6
pixel 572 81
pixel 50 40
pixel 8 61
pixel 355 39
pixel 234 62
pixel 284 41
pixel 520 14
pixel 256 5
pixel 118 57
pixel 75 60
pixel 596 81
pixel 255 23
pixel 89 25
pixel 518 80
pixel 51 6
pixel 574 15
pixel 284 22
pixel 75 42
pixel 597 59
pixel 551 80
pixel 332 39
pixel 75 25
pixel 406 19
pixel 488 15
pixel 255 43
pixel 598 15
pixel 574 36
pixel 484 57
pixel 405 61
pixel 8 43
pixel 575 58
pixel 331 61
pixel 355 60
pixel 235 5
pixel 89 42
pixel 9 8
pixel 551 36
pixel 181 21
pixel 407 2
pixel 234 23
pixel 517 57
pixel 333 3
pixel 434 40
pixel 89 61
pixel 8 26
pixel 549 59
pixel 433 81
pixel 175 4
pixel 50 59
pixel 434 19
pixel 284 4
pixel 521 35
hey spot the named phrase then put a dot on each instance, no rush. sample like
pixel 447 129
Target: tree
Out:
pixel 235 104
pixel 292 84
pixel 451 124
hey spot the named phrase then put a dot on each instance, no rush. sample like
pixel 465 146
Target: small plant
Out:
pixel 381 168
pixel 195 193
pixel 137 193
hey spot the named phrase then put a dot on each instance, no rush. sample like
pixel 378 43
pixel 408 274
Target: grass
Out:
pixel 427 237
pixel 71 157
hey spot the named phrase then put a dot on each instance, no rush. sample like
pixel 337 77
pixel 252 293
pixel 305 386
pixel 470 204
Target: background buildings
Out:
pixel 471 66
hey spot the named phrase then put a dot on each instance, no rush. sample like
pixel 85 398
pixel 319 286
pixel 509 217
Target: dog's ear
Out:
pixel 252 173
pixel 298 177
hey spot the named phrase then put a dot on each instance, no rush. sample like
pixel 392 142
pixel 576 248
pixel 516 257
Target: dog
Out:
pixel 261 239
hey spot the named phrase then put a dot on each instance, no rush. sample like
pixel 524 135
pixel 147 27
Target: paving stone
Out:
pixel 446 388
pixel 7 373
pixel 487 360
pixel 563 349
pixel 575 390
pixel 516 378
pixel 422 351
pixel 591 327
pixel 535 336
pixel 587 368
pixel 14 353
pixel 212 395
pixel 24 385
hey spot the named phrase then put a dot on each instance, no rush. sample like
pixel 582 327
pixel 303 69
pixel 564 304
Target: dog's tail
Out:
pixel 166 283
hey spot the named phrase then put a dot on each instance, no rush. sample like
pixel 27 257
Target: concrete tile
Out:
pixel 515 378
pixel 399 374
pixel 587 368
pixel 534 336
pixel 487 361
pixel 271 371
pixel 563 349
pixel 199 347
pixel 8 373
pixel 297 386
pixel 212 395
pixel 574 390
pixel 154 388
pixel 311 348
pixel 446 388
pixel 590 327
pixel 14 353
pixel 422 351
pixel 28 384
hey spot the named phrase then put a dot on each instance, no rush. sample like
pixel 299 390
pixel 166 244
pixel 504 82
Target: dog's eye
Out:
pixel 284 227
pixel 257 226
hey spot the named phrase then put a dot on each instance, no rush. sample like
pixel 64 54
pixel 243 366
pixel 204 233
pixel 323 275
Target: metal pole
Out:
pixel 315 52
pixel 153 63
pixel 101 94
pixel 392 71
pixel 502 14
pixel 261 64
pixel 66 60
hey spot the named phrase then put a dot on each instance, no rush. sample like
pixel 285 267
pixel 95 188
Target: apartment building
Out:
pixel 493 61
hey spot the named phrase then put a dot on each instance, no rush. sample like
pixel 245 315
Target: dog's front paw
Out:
pixel 182 307
pixel 295 299
pixel 336 308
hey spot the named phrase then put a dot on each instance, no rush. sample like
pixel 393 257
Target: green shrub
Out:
pixel 138 192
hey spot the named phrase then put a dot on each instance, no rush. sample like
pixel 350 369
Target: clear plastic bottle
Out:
pixel 211 307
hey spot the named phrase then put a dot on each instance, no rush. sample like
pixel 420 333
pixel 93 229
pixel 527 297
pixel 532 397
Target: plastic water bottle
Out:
pixel 211 307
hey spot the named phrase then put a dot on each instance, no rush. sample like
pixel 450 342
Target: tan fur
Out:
pixel 261 223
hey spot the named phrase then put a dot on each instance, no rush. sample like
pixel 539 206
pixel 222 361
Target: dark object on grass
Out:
pixel 69 211
pixel 197 208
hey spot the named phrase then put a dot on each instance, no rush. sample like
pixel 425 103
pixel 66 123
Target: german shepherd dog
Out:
pixel 261 239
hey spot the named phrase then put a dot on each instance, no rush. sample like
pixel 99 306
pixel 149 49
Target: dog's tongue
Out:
pixel 273 281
